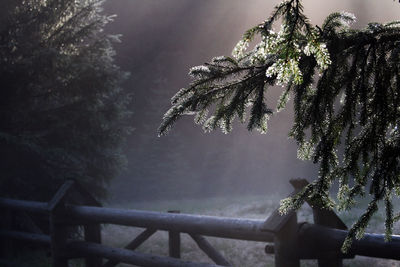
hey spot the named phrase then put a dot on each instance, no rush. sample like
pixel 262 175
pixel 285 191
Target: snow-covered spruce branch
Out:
pixel 346 90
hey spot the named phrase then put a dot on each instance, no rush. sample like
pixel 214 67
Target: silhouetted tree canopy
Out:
pixel 63 113
pixel 345 85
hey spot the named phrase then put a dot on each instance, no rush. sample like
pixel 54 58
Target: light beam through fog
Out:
pixel 161 41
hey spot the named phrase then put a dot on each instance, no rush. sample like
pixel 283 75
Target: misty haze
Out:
pixel 91 179
pixel 161 41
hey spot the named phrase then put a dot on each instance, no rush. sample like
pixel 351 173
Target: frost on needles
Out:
pixel 345 86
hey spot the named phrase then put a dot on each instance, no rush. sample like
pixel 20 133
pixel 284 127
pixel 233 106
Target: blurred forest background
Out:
pixel 161 40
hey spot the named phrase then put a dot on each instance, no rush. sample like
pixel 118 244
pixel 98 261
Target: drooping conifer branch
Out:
pixel 346 89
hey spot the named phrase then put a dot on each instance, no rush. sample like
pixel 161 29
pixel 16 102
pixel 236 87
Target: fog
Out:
pixel 161 40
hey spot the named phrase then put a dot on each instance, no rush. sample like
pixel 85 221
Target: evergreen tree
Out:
pixel 63 113
pixel 346 89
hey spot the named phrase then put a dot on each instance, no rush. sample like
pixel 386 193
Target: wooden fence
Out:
pixel 72 206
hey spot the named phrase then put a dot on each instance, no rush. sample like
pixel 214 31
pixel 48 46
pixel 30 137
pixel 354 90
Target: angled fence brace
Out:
pixel 133 245
pixel 212 253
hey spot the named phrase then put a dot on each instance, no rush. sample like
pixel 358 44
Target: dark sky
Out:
pixel 161 40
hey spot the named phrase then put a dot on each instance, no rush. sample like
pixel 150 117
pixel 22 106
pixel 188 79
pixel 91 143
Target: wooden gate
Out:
pixel 72 206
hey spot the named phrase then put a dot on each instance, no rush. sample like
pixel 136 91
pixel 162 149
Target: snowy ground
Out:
pixel 239 253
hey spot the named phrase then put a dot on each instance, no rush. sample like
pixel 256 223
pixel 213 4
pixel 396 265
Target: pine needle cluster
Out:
pixel 345 85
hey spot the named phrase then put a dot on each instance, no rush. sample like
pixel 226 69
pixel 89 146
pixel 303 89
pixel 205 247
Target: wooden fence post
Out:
pixel 324 217
pixel 285 231
pixel 93 234
pixel 58 230
pixel 92 231
pixel 174 241
pixel 6 245
pixel 285 244
pixel 329 219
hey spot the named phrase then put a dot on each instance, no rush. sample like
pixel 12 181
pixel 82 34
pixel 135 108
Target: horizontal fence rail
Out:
pixel 23 205
pixel 321 238
pixel 243 229
pixel 234 228
pixel 29 237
